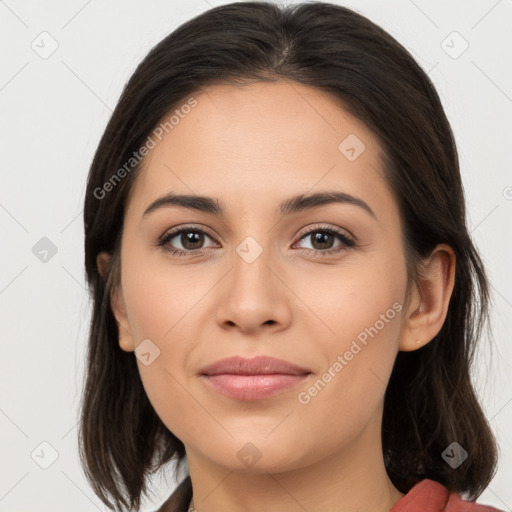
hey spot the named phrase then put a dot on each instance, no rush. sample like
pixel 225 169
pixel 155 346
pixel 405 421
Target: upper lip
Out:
pixel 261 365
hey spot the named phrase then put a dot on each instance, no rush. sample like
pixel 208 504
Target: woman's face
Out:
pixel 263 279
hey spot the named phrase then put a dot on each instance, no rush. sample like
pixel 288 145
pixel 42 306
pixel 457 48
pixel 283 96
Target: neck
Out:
pixel 352 479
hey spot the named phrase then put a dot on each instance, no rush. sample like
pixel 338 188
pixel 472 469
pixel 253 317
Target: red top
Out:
pixel 431 496
pixel 425 496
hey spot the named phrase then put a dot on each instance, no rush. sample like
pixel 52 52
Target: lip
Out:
pixel 252 378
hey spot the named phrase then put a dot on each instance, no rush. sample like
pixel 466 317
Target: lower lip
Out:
pixel 253 387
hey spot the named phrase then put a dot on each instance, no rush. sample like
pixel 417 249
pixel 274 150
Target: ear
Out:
pixel 430 299
pixel 117 304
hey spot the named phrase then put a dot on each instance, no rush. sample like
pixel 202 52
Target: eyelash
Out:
pixel 347 241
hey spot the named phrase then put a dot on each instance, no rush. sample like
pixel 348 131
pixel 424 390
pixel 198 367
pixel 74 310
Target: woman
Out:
pixel 327 376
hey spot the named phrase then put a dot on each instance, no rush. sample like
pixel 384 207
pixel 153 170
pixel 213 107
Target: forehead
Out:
pixel 251 144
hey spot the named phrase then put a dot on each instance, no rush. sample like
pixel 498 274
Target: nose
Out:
pixel 254 296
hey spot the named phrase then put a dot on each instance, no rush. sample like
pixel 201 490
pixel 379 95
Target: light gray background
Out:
pixel 54 111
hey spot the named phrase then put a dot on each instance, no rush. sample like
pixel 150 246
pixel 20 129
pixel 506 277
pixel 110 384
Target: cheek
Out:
pixel 354 301
pixel 162 300
pixel 358 320
pixel 162 308
pixel 166 305
pixel 349 389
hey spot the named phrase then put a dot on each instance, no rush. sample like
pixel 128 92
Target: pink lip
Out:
pixel 252 379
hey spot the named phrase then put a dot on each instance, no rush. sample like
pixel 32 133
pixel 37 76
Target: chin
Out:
pixel 260 455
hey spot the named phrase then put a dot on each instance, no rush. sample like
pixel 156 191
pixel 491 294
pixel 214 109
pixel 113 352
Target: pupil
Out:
pixel 323 239
pixel 189 238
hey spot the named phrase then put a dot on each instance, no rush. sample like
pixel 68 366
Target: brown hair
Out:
pixel 430 400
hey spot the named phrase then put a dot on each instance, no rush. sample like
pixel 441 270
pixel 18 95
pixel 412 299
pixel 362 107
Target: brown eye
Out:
pixel 323 239
pixel 190 240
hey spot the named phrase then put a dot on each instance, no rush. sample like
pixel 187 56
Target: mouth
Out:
pixel 252 379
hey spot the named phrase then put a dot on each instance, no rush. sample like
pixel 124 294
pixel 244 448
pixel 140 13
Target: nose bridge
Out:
pixel 252 296
pixel 254 249
pixel 251 261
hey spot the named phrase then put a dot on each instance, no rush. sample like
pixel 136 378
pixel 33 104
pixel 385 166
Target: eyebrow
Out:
pixel 295 204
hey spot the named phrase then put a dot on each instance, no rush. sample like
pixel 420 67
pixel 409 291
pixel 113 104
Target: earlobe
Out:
pixel 125 339
pixel 119 309
pixel 117 304
pixel 103 263
pixel 431 298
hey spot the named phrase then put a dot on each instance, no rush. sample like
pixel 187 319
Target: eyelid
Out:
pixel 171 233
pixel 325 227
pixel 178 229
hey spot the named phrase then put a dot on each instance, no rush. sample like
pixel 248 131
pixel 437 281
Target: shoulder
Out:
pixel 179 500
pixel 431 496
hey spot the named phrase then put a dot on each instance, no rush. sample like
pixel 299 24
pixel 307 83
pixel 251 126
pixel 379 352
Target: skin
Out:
pixel 253 147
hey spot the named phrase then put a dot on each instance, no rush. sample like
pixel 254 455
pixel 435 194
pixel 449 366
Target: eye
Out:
pixel 322 239
pixel 191 240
